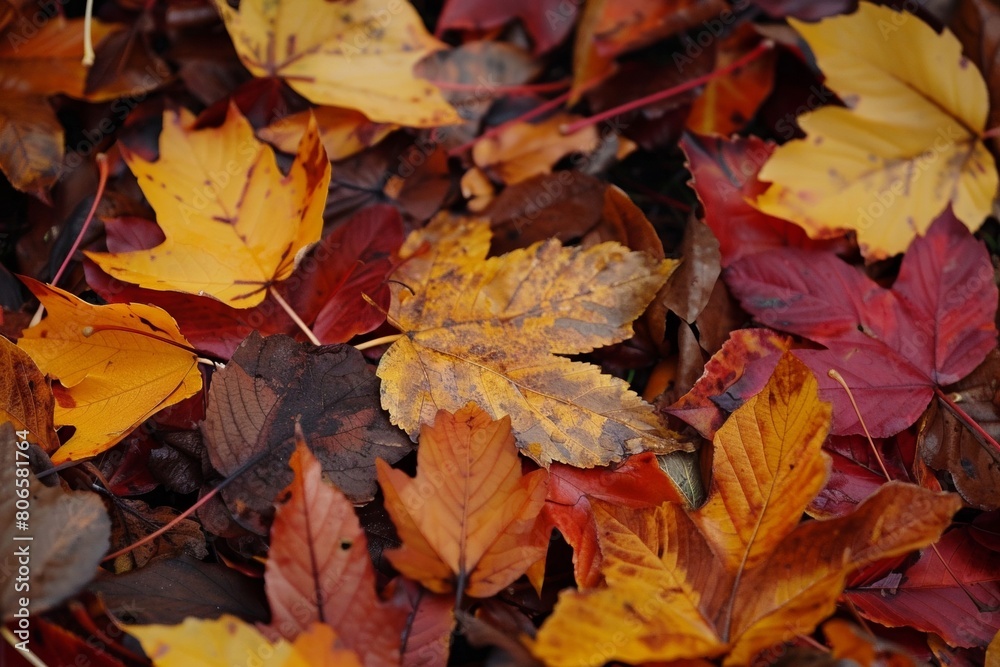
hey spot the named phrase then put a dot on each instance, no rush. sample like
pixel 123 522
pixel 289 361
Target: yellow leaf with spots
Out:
pixel 228 640
pixel 741 574
pixel 233 223
pixel 907 146
pixel 358 55
pixel 117 365
pixel 488 331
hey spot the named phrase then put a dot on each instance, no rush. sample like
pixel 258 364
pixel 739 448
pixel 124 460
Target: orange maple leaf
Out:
pixel 741 573
pixel 469 520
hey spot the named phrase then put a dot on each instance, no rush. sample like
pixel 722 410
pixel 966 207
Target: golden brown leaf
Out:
pixel 218 195
pixel 907 147
pixel 25 397
pixel 469 519
pixel 768 464
pixel 116 364
pixel 657 606
pixel 359 55
pixel 722 578
pixel 527 149
pixel 488 330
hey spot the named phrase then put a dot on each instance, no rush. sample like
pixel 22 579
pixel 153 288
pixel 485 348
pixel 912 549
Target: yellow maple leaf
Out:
pixel 359 55
pixel 479 523
pixel 908 145
pixel 116 364
pixel 488 330
pixel 741 574
pixel 233 223
pixel 227 640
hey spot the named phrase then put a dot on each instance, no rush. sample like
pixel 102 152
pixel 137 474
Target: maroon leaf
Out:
pixel 892 346
pixel 724 174
pixel 927 597
pixel 547 21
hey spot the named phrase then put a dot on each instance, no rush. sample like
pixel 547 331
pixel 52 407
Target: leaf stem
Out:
pixel 991 133
pixel 102 171
pixel 749 57
pixel 25 652
pixel 969 422
pixel 839 379
pixel 295 317
pixel 88 39
pixel 375 342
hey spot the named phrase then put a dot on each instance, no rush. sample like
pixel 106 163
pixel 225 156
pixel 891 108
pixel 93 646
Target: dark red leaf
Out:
pixel 724 174
pixel 927 597
pixel 892 346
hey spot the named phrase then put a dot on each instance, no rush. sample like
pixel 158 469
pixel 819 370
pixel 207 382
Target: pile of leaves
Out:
pixel 546 333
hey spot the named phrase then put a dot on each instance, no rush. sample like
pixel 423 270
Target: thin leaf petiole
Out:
pixel 303 327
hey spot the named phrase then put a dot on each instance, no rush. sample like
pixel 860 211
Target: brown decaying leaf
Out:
pixel 460 312
pixel 470 519
pixel 479 68
pixel 741 573
pixel 56 561
pixel 174 589
pixel 254 403
pixel 25 397
pixel 690 286
pixel 318 568
pixel 946 443
pixel 133 519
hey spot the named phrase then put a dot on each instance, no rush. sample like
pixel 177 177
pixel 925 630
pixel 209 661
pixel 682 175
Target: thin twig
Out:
pixel 757 52
pixel 839 379
pixel 295 318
